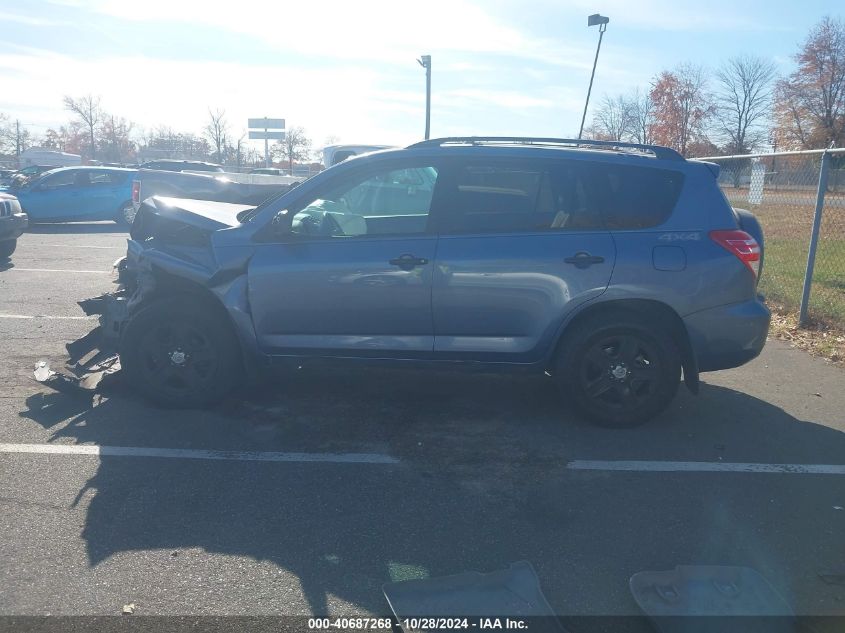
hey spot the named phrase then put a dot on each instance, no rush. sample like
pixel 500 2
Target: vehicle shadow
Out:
pixel 482 482
pixel 58 228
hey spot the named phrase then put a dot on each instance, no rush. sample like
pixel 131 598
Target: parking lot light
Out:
pixel 425 62
pixel 601 21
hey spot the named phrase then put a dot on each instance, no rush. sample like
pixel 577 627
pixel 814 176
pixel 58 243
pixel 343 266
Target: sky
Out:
pixel 347 69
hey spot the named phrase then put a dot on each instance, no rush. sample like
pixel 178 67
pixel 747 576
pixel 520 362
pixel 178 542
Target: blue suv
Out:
pixel 614 267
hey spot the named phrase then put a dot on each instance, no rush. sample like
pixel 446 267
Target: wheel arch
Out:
pixel 657 311
pixel 168 286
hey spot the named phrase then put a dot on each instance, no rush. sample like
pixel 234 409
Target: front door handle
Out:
pixel 408 261
pixel 582 259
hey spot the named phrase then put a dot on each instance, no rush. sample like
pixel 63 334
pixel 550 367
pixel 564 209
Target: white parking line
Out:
pixel 189 453
pixel 706 467
pixel 46 316
pixel 55 270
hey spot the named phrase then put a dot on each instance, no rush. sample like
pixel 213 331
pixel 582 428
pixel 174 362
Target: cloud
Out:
pixel 29 20
pixel 505 98
pixel 178 93
pixel 671 15
pixel 381 31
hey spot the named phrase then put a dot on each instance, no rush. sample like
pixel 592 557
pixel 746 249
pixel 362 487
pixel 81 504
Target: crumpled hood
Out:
pixel 178 220
pixel 201 213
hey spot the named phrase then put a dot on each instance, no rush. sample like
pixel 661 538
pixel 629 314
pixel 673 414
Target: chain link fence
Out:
pixel 783 191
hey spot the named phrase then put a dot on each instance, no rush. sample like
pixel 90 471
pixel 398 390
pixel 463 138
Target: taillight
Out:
pixel 741 244
pixel 136 191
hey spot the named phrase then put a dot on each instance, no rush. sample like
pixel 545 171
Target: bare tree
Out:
pixel 642 117
pixel 217 132
pixel 295 147
pixel 743 101
pixel 89 113
pixel 613 120
pixel 239 148
pixel 14 138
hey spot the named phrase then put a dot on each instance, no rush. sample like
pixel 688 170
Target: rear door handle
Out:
pixel 582 259
pixel 408 261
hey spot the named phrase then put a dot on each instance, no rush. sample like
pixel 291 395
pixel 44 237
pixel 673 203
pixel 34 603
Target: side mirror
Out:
pixel 281 223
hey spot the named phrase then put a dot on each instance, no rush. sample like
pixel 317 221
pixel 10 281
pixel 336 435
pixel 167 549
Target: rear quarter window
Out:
pixel 630 197
pixel 108 178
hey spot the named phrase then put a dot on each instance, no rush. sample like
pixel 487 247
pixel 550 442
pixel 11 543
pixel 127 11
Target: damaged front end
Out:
pixel 170 251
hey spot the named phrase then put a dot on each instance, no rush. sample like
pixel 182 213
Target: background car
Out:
pixel 6 176
pixel 22 176
pixel 79 193
pixel 12 224
pixel 267 171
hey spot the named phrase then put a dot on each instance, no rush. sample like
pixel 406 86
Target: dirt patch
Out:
pixel 818 337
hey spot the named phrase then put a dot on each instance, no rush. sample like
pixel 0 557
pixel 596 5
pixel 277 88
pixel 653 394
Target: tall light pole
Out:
pixel 425 62
pixel 602 22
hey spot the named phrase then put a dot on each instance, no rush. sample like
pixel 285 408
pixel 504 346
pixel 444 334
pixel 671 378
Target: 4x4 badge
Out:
pixel 675 237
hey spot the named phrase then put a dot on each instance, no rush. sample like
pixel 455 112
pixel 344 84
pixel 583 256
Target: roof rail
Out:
pixel 660 152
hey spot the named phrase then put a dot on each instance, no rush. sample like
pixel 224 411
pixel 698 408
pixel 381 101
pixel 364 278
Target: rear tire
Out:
pixel 180 353
pixel 125 214
pixel 619 369
pixel 7 247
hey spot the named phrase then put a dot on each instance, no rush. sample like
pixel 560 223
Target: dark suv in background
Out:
pixel 611 266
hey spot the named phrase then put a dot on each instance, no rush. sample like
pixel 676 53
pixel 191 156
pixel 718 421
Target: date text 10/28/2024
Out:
pixel 417 624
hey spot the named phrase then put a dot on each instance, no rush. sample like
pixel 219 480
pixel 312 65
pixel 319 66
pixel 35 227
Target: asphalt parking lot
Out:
pixel 307 496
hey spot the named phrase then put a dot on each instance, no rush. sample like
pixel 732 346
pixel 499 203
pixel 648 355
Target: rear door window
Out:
pixel 518 196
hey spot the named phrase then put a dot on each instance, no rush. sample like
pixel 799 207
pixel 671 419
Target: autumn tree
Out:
pixel 810 103
pixel 295 147
pixel 612 120
pixel 743 102
pixel 115 138
pixel 88 112
pixel 67 138
pixel 681 106
pixel 217 132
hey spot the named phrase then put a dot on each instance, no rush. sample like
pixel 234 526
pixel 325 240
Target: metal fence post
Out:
pixel 814 239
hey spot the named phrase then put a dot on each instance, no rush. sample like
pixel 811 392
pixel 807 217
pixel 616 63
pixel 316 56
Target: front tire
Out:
pixel 7 247
pixel 180 353
pixel 620 370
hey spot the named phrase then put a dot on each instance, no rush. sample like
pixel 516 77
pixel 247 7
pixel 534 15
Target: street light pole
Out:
pixel 602 22
pixel 425 62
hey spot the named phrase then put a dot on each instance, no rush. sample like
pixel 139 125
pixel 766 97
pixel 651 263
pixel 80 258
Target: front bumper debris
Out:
pixel 93 360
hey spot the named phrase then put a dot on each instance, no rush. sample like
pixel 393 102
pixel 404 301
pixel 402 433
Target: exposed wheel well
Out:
pixel 167 286
pixel 657 312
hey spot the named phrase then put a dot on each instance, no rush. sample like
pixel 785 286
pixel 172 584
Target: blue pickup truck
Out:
pixel 78 193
